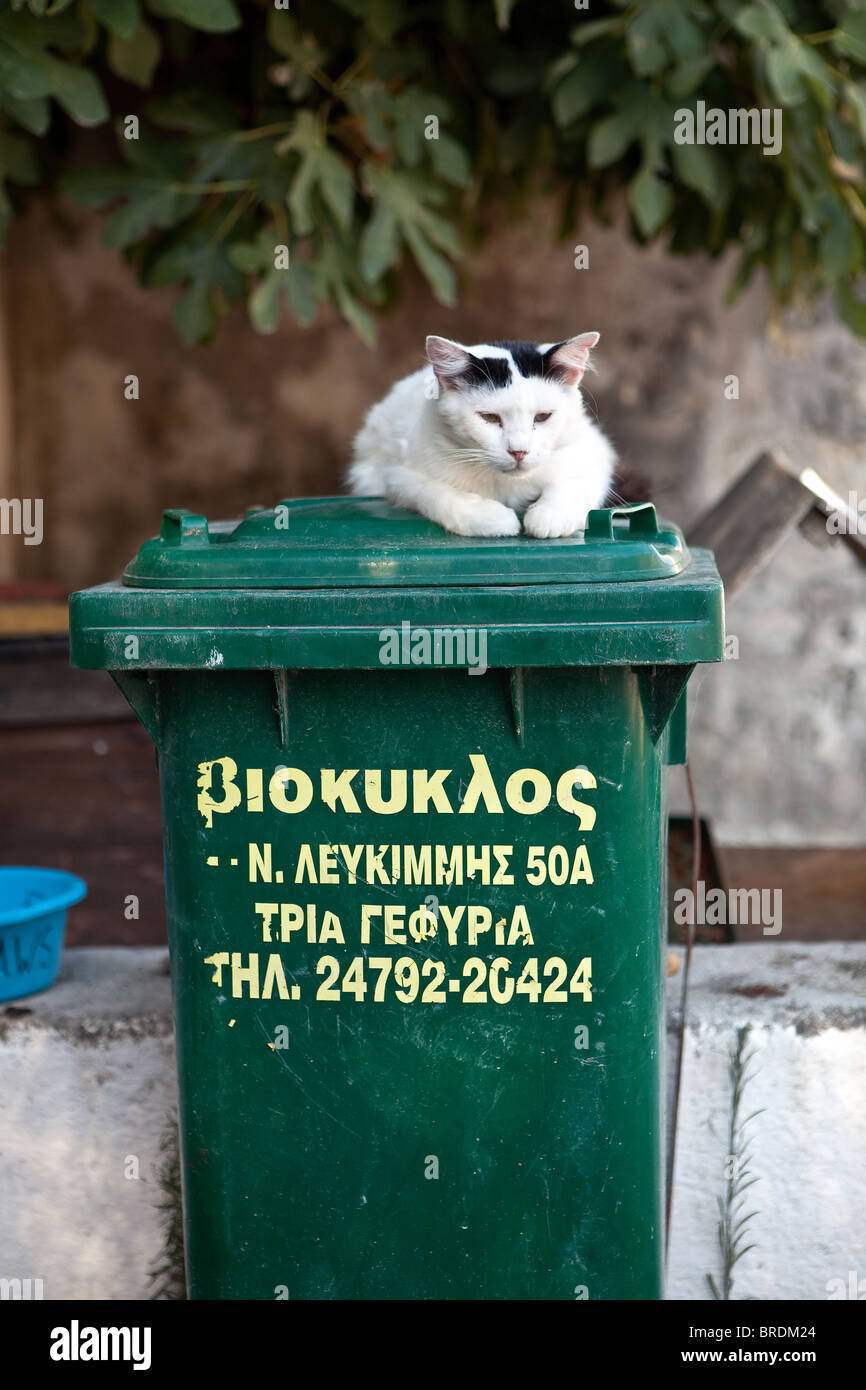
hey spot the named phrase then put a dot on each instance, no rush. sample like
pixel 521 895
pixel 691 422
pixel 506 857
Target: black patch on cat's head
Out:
pixel 528 360
pixel 493 372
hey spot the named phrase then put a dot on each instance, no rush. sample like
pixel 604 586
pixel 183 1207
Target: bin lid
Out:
pixel 349 542
pixel 316 583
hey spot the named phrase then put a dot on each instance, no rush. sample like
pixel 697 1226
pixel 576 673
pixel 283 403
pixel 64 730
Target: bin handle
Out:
pixel 180 526
pixel 642 520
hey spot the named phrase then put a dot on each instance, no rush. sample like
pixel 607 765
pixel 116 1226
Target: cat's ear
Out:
pixel 449 360
pixel 568 361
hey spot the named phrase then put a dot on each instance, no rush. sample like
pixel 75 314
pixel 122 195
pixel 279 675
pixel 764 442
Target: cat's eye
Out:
pixel 540 419
pixel 491 419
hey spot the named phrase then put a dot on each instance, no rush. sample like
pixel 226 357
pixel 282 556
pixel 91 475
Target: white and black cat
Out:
pixel 488 435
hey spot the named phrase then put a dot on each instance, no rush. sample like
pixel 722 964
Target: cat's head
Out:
pixel 508 405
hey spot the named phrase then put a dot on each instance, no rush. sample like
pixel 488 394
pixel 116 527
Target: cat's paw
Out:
pixel 544 521
pixel 487 518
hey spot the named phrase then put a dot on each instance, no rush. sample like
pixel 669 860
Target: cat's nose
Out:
pixel 518 454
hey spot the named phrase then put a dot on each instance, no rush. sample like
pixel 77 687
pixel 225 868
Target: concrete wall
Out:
pixel 779 749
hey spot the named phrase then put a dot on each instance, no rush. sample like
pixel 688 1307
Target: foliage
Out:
pixel 309 125
pixel 731 1230
pixel 168 1277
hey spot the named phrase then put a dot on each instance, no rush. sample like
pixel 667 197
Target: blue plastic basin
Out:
pixel 33 906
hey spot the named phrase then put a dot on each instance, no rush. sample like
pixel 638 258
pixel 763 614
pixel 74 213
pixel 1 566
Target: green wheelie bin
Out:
pixel 415 827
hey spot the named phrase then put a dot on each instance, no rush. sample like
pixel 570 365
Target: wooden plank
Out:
pixel 39 687
pixel 747 526
pixel 37 619
pixel 833 515
pixel 823 890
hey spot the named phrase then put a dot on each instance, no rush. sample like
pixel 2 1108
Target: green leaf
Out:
pixel 403 204
pixel 852 309
pixel 300 292
pixel 195 255
pixel 651 201
pixel 412 199
pixel 813 67
pixel 135 59
pixel 688 76
pixel 570 99
pixel 319 169
pixel 120 17
pixel 23 75
pixel 850 36
pixel 435 269
pixel 785 76
pixel 856 95
pixel 761 21
pixel 584 86
pixel 683 36
pixel 34 114
pixel 702 168
pixel 502 10
pixel 380 243
pixel 450 160
pixel 841 246
pixel 77 91
pixel 590 29
pixel 383 18
pixel 213 16
pixel 355 315
pixel 610 138
pixel 18 161
pixel 249 256
pixel 95 187
pixel 644 44
pixel 264 303
pixel 305 54
pixel 143 212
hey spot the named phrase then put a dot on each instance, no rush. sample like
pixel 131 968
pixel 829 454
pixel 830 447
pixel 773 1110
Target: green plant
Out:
pixel 311 129
pixel 169 1276
pixel 739 1177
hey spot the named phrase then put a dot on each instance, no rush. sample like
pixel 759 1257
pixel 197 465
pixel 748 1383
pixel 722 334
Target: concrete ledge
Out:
pixel 87 1088
pixel 805 1007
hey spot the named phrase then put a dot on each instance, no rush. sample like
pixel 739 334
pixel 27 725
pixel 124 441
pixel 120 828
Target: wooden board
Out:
pixel 751 521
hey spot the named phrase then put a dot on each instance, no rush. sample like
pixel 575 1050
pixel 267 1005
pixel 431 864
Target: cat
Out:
pixel 487 436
